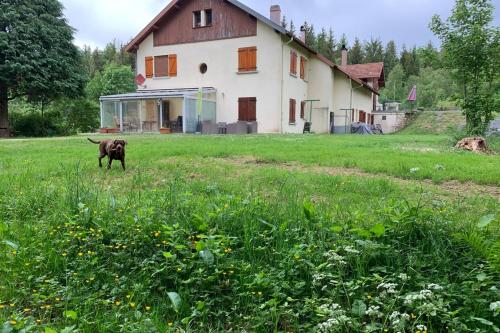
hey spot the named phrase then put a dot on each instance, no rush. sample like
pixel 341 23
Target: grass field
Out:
pixel 249 234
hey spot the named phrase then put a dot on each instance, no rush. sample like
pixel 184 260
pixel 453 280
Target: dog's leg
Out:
pixel 110 160
pixel 100 160
pixel 123 164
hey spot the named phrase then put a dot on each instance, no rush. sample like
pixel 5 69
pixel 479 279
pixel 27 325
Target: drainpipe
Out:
pixel 102 112
pixel 283 80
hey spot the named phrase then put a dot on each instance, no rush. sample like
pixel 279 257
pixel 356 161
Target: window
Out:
pixel 247 59
pixel 384 117
pixel 203 68
pixel 303 64
pixel 291 115
pixel 247 107
pixel 161 66
pixel 197 19
pixel 208 17
pixel 293 63
pixel 149 67
pixel 303 110
pixel 202 18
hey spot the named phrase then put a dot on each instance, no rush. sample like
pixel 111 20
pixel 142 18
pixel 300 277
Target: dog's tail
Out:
pixel 96 142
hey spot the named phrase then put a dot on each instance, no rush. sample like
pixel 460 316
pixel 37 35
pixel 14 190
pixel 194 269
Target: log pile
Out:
pixel 476 144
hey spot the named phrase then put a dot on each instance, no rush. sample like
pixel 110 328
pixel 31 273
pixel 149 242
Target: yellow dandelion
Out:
pixel 259 293
pixel 118 303
pixel 413 316
pixel 80 254
pixel 48 306
pixel 58 299
pixel 170 323
pixel 12 305
pixel 2 306
pixel 132 305
pixel 418 331
pixel 128 296
pixel 38 321
pixel 157 234
pixel 148 308
pixel 179 269
pixel 26 310
pixel 64 254
pixel 13 322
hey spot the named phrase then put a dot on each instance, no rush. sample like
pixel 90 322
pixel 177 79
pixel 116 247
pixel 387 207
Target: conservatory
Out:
pixel 165 111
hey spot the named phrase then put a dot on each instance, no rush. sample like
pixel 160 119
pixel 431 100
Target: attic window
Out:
pixel 202 18
pixel 197 19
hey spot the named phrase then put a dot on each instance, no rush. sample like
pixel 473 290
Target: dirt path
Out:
pixel 454 187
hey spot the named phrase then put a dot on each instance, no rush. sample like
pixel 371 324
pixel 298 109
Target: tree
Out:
pixel 374 51
pixel 292 28
pixel 395 86
pixel 37 57
pixel 429 56
pixel 390 56
pixel 310 36
pixel 321 42
pixel 115 79
pixel 356 54
pixel 330 41
pixel 284 22
pixel 409 61
pixel 471 51
pixel 343 42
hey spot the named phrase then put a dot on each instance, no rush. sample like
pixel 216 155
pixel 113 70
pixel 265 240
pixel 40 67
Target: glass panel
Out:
pixel 190 118
pixel 150 115
pixel 110 114
pixel 131 116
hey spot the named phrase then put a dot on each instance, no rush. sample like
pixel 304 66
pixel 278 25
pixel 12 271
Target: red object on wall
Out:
pixel 139 79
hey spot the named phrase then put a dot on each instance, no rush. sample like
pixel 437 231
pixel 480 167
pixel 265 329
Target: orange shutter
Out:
pixel 302 67
pixel 302 110
pixel 242 60
pixel 252 58
pixel 292 111
pixel 149 67
pixel 172 65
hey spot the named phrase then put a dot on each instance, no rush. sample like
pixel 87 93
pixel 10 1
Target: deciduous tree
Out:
pixel 37 56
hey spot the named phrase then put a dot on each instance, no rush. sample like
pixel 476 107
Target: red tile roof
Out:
pixel 365 71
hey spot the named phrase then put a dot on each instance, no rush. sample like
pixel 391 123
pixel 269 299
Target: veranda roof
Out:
pixel 155 94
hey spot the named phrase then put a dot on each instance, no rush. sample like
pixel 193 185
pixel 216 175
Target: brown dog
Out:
pixel 114 149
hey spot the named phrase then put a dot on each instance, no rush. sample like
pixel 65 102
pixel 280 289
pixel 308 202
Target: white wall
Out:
pixel 321 86
pixel 221 57
pixel 393 122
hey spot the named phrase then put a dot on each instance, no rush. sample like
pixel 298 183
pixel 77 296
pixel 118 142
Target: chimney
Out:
pixel 276 14
pixel 344 56
pixel 303 31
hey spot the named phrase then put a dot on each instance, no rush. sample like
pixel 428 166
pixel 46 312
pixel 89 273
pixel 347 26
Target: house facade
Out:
pixel 207 65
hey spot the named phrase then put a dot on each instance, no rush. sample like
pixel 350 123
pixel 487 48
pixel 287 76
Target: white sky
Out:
pixel 405 21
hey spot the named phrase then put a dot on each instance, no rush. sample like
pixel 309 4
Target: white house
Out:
pixel 217 65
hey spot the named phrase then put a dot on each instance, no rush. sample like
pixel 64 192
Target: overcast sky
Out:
pixel 405 21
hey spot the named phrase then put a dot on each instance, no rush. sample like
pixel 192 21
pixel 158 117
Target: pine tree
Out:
pixel 321 42
pixel 292 28
pixel 374 51
pixel 330 41
pixel 390 57
pixel 311 40
pixel 356 53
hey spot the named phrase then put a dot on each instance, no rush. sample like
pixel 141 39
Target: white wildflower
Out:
pixel 374 311
pixel 389 288
pixel 421 327
pixel 426 293
pixel 350 249
pixel 495 306
pixel 403 277
pixel 335 257
pixel 434 286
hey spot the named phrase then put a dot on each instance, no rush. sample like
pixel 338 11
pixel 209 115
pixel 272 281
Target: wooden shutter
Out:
pixel 293 63
pixel 161 66
pixel 252 109
pixel 302 110
pixel 247 59
pixel 291 117
pixel 303 67
pixel 242 109
pixel 247 109
pixel 172 65
pixel 149 67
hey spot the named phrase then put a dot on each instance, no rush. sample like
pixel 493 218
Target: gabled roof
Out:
pixel 174 4
pixel 365 71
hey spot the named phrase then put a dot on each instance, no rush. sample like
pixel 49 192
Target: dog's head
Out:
pixel 119 146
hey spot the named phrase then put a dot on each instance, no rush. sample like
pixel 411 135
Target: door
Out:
pixel 165 115
pixel 332 122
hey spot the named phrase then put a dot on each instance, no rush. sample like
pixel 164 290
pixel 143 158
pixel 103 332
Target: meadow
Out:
pixel 262 233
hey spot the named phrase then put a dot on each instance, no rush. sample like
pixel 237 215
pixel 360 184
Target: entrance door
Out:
pixel 332 122
pixel 165 114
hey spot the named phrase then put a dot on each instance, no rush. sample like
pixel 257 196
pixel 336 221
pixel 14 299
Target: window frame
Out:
pixel 211 17
pixel 195 25
pixel 250 67
pixel 157 64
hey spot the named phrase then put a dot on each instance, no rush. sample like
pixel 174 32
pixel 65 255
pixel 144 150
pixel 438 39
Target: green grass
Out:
pixel 195 236
pixel 435 123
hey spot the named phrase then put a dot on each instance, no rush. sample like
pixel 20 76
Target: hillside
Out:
pixel 434 122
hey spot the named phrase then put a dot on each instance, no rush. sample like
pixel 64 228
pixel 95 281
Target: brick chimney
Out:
pixel 303 32
pixel 344 56
pixel 276 14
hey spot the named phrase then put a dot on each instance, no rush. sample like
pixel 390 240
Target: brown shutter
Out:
pixel 242 108
pixel 242 60
pixel 302 110
pixel 303 67
pixel 172 65
pixel 252 109
pixel 292 111
pixel 161 66
pixel 293 62
pixel 252 58
pixel 149 67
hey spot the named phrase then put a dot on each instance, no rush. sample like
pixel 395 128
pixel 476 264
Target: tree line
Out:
pixel 52 87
